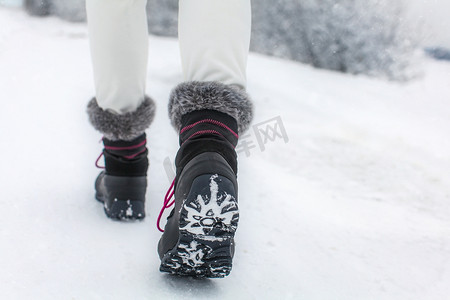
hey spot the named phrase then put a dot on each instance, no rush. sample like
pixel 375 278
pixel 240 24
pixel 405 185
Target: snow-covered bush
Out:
pixel 73 10
pixel 37 7
pixel 438 53
pixel 163 17
pixel 360 37
pixel 277 30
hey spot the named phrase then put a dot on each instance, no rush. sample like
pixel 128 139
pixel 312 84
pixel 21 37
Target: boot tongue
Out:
pixel 208 123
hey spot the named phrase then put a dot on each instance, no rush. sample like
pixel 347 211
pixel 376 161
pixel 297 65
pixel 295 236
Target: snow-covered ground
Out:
pixel 356 205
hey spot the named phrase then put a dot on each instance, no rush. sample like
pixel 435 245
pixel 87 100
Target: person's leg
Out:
pixel 214 40
pixel 209 109
pixel 118 38
pixel 120 111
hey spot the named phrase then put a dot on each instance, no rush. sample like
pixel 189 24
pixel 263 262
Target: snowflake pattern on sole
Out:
pixel 207 224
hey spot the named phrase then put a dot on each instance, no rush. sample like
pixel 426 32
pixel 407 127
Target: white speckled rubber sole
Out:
pixel 207 224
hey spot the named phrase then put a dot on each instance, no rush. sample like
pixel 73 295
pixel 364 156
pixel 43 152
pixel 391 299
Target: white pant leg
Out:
pixel 118 37
pixel 214 40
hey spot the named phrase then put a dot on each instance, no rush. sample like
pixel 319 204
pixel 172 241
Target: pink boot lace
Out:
pixel 121 148
pixel 167 204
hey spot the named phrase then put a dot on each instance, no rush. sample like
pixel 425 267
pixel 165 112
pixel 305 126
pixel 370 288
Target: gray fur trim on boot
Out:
pixel 195 95
pixel 124 127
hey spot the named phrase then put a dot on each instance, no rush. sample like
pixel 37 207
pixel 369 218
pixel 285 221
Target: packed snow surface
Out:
pixel 350 201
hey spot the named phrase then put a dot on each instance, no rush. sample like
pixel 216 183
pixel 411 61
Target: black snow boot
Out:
pixel 198 239
pixel 121 187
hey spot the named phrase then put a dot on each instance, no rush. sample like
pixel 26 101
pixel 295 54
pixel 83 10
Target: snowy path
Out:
pixel 355 206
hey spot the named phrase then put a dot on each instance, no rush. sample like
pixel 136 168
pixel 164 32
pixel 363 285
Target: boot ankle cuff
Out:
pixel 194 95
pixel 124 127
